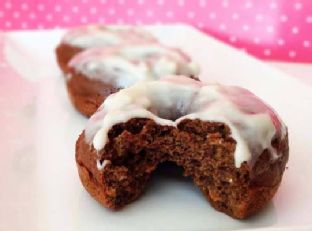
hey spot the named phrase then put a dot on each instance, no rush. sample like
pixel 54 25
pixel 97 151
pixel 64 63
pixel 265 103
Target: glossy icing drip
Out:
pixel 104 36
pixel 123 66
pixel 168 101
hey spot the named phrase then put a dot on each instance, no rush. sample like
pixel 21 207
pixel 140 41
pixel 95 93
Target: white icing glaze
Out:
pixel 125 65
pixel 168 101
pixel 100 166
pixel 105 36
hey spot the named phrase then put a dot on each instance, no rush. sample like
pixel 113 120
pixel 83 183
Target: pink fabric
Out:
pixel 269 29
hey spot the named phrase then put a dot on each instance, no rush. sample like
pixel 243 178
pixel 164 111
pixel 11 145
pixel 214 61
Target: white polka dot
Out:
pixel 222 26
pixel 84 1
pixel 280 42
pixel 121 2
pixel 235 16
pixel 248 5
pixel 225 4
pixel 259 17
pixel 169 14
pixel 93 10
pixel 181 3
pixel 267 52
pixel 190 14
pixel 245 27
pixel 24 25
pixel 149 13
pixel 103 1
pixel 233 39
pixel 200 25
pixel 24 6
pixel 16 14
pixel 83 19
pixel 32 15
pixel 8 5
pixel 102 20
pixel 202 3
pixel 256 40
pixel 292 54
pixel 49 17
pixel 270 29
pixel 40 7
pixel 120 21
pixel 309 19
pixel 160 2
pixel 130 12
pixel 298 6
pixel 111 11
pixel 306 43
pixel 140 2
pixel 1 14
pixel 212 15
pixel 283 18
pixel 75 9
pixel 40 26
pixel 66 18
pixel 273 5
pixel 138 22
pixel 57 8
pixel 8 24
pixel 295 30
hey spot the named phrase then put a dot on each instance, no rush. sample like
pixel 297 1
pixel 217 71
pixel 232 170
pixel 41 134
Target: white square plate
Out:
pixel 40 188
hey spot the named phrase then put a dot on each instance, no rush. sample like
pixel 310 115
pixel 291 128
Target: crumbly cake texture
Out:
pixel 117 173
pixel 204 150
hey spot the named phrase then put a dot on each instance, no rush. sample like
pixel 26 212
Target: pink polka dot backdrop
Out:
pixel 268 29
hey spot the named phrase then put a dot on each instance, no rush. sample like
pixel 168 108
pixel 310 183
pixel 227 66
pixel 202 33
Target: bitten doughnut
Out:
pixel 91 36
pixel 227 140
pixel 96 73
